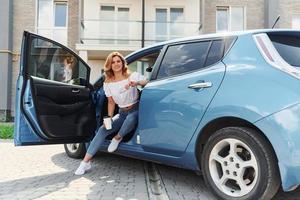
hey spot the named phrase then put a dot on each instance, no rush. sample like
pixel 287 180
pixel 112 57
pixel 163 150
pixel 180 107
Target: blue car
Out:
pixel 227 105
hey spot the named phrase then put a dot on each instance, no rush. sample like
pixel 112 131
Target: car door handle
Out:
pixel 200 85
pixel 74 90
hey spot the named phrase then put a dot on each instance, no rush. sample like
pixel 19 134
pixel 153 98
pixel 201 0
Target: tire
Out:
pixel 75 150
pixel 237 163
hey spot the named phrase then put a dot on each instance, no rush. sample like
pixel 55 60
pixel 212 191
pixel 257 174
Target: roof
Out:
pixel 214 35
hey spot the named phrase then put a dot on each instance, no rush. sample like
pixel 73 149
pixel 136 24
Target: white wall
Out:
pixel 96 66
pixel 92 10
pixel 92 7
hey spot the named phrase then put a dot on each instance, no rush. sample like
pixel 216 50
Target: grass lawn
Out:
pixel 6 131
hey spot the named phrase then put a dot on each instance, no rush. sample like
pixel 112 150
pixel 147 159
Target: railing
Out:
pixel 59 34
pixel 129 33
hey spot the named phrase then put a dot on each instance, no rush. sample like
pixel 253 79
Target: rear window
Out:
pixel 288 46
pixel 215 53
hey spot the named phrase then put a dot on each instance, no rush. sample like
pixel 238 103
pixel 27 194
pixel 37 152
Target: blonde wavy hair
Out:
pixel 109 74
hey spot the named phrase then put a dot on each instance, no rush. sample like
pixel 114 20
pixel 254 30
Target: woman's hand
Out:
pixel 133 83
pixel 127 86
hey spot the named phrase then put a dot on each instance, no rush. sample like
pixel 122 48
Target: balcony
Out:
pixel 112 35
pixel 59 34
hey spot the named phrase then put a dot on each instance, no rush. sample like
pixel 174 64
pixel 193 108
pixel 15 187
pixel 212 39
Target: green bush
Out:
pixel 6 131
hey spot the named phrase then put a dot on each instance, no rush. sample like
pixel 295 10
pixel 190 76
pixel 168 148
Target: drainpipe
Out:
pixel 80 30
pixel 5 58
pixel 200 17
pixel 143 23
pixel 202 14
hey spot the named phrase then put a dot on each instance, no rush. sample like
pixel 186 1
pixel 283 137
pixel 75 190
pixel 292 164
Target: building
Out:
pixel 93 28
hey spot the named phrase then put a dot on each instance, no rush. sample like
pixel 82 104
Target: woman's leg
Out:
pixel 96 143
pixel 128 125
pixel 101 135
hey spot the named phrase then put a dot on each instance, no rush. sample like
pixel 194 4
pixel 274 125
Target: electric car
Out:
pixel 227 105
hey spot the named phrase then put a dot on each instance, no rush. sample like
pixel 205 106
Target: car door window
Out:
pixel 288 46
pixel 141 64
pixel 183 58
pixel 215 53
pixel 54 62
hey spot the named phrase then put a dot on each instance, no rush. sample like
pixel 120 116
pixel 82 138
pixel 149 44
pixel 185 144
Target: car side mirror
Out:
pixel 149 69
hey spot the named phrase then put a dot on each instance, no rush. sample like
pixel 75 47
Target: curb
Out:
pixel 154 182
pixel 6 140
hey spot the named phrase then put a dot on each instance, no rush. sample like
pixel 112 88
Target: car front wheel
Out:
pixel 75 150
pixel 238 163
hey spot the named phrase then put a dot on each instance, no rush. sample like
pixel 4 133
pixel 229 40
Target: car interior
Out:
pixel 69 108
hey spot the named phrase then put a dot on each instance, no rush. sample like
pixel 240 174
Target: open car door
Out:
pixel 53 100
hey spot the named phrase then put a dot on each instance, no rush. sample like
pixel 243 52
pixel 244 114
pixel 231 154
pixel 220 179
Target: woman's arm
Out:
pixel 111 106
pixel 140 83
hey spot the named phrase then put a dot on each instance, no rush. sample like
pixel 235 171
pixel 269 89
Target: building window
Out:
pixel 229 18
pixel 161 24
pixel 169 23
pixel 114 24
pixel 123 25
pixel 53 20
pixel 44 13
pixel 60 15
pixel 176 22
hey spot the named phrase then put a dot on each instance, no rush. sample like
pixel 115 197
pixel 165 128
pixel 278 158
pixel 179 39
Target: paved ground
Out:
pixel 185 185
pixel 45 172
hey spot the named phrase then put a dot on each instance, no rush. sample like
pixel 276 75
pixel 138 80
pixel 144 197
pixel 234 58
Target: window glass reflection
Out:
pixel 183 58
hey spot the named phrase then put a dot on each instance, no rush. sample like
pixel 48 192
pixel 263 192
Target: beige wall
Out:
pixel 73 23
pixel 23 19
pixel 96 66
pixel 254 13
pixel 288 8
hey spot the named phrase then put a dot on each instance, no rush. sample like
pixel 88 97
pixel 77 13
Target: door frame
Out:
pixel 25 53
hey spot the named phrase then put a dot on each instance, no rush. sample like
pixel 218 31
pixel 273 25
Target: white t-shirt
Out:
pixel 67 74
pixel 120 94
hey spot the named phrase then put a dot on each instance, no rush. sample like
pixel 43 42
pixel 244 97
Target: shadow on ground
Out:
pixel 178 179
pixel 113 177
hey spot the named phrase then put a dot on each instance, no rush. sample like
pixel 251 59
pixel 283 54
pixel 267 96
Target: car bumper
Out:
pixel 283 131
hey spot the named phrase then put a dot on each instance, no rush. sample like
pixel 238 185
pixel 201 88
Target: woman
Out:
pixel 64 74
pixel 120 88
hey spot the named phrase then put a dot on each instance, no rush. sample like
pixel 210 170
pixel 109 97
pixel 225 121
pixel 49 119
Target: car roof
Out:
pixel 211 36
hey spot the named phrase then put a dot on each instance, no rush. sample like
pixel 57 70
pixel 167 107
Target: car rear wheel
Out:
pixel 238 163
pixel 75 150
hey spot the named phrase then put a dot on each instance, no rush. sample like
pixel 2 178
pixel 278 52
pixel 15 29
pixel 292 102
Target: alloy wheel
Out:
pixel 233 167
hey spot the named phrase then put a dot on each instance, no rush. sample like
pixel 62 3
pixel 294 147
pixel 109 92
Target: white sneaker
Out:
pixel 113 145
pixel 83 167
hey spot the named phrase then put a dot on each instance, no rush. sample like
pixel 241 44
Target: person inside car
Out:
pixel 64 74
pixel 120 87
